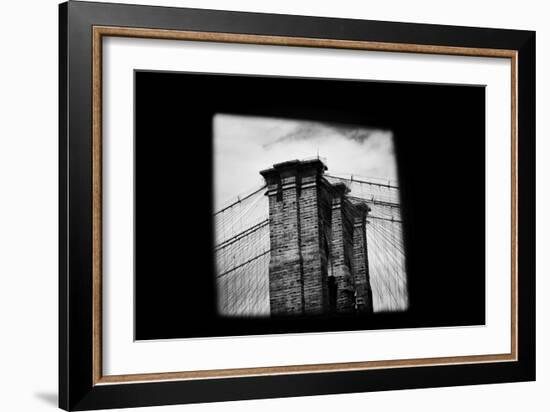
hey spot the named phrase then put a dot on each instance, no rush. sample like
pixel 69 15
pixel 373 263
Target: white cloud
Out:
pixel 244 145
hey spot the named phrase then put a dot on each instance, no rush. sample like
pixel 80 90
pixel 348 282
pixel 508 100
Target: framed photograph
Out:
pixel 256 205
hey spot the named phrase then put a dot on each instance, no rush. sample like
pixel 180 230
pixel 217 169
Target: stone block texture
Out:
pixel 361 261
pixel 319 261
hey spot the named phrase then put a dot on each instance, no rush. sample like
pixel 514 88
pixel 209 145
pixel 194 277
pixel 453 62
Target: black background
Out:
pixel 439 135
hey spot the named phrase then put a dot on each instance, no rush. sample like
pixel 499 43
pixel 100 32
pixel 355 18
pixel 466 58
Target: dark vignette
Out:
pixel 439 133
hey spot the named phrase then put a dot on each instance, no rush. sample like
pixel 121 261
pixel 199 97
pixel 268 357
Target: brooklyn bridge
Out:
pixel 306 242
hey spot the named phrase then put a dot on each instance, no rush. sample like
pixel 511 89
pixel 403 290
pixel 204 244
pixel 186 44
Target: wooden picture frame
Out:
pixel 82 383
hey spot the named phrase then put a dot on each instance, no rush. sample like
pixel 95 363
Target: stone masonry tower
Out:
pixel 319 262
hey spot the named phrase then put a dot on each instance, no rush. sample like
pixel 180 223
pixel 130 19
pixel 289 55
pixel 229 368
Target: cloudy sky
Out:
pixel 244 145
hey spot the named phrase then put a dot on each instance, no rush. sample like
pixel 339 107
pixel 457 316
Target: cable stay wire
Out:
pixel 243 250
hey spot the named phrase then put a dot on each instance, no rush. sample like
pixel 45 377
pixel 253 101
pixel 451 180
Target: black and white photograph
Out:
pixel 325 205
pixel 274 206
pixel 299 244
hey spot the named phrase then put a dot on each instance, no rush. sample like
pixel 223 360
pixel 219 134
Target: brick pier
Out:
pixel 319 261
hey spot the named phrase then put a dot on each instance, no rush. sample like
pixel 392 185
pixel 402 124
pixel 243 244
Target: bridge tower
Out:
pixel 318 261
